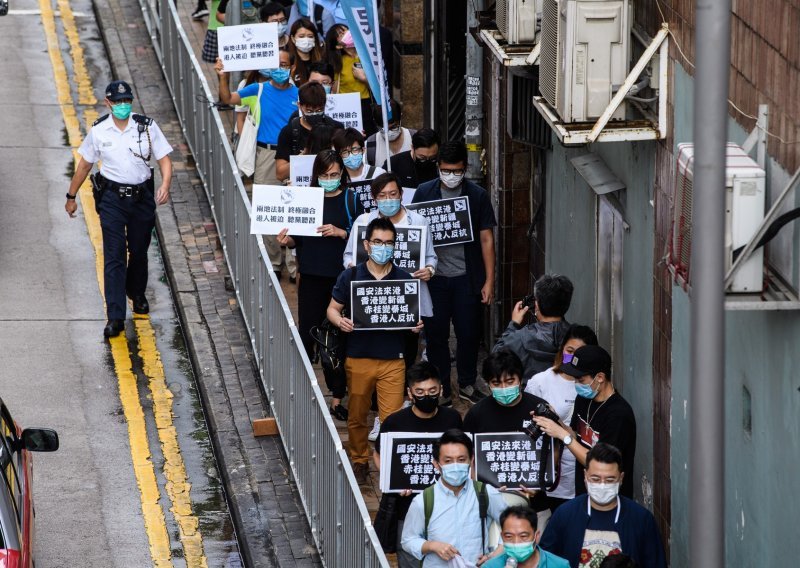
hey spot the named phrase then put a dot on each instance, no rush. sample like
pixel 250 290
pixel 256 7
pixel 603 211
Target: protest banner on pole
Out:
pixel 409 246
pixel 300 168
pixel 345 108
pixel 384 304
pixel 407 461
pixel 514 460
pixel 248 47
pixel 278 207
pixel 363 191
pixel 449 220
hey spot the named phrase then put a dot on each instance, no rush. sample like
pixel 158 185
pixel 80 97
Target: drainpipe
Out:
pixel 473 132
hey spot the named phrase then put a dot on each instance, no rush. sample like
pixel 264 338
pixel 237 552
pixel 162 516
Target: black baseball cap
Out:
pixel 588 360
pixel 118 91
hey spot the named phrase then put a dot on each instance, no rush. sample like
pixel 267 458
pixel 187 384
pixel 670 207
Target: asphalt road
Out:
pixel 56 370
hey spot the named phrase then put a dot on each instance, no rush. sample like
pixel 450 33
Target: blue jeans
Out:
pixel 453 301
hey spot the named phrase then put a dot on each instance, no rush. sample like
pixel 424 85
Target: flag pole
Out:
pixel 376 34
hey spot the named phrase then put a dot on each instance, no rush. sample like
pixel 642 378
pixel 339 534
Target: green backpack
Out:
pixel 483 509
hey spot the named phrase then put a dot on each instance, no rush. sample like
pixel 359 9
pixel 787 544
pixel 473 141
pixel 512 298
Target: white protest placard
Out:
pixel 408 195
pixel 345 108
pixel 248 47
pixel 300 167
pixel 278 207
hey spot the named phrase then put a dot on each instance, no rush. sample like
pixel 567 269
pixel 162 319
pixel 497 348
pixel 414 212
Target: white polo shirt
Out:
pixel 115 149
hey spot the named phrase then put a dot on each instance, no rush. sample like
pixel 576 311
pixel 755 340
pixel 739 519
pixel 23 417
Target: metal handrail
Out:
pixel 331 498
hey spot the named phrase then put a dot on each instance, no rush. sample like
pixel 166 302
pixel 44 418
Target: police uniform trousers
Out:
pixel 127 230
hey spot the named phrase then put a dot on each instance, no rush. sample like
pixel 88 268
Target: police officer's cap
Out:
pixel 119 90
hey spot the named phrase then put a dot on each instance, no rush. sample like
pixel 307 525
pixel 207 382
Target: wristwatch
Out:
pixel 567 440
pixel 431 269
pixel 69 196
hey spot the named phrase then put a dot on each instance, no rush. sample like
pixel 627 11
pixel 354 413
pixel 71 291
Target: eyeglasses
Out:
pixel 330 176
pixel 445 171
pixel 354 150
pixel 279 22
pixel 378 242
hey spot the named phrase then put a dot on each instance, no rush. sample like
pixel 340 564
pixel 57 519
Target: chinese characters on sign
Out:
pixel 363 191
pixel 248 47
pixel 384 304
pixel 449 220
pixel 409 247
pixel 300 168
pixel 278 207
pixel 406 461
pixel 345 108
pixel 514 460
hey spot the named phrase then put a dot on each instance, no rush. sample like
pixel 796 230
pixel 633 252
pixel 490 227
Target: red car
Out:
pixel 16 501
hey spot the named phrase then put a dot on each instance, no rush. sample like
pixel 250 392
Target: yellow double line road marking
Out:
pixel 177 486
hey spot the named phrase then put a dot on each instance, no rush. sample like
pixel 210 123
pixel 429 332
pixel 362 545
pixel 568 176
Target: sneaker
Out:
pixel 361 472
pixel 470 394
pixel 200 13
pixel 376 430
pixel 446 401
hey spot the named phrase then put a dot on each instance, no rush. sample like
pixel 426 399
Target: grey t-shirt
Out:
pixel 451 258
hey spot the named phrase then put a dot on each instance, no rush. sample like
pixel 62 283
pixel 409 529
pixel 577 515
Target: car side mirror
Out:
pixel 39 440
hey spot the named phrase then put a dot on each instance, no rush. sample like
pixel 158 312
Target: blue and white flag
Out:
pixel 362 19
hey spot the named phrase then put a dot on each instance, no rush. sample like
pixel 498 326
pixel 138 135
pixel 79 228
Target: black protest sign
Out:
pixel 363 190
pixel 406 461
pixel 449 220
pixel 409 247
pixel 514 460
pixel 384 304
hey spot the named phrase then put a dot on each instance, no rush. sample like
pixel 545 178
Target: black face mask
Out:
pixel 314 119
pixel 426 170
pixel 427 403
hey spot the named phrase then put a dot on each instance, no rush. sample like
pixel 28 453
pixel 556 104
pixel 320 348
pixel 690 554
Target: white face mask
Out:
pixel 394 134
pixel 451 180
pixel 304 44
pixel 602 493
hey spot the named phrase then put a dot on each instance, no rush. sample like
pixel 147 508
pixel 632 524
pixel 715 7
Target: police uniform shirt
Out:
pixel 115 149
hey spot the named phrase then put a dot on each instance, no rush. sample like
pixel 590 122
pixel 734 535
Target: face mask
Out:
pixel 330 185
pixel 585 391
pixel 314 118
pixel 451 180
pixel 455 474
pixel 327 89
pixel 266 73
pixel 304 44
pixel 381 254
pixel 426 170
pixel 283 27
pixel 506 395
pixel 388 207
pixel 280 76
pixel 602 493
pixel 394 134
pixel 121 111
pixel 566 358
pixel 519 551
pixel 353 161
pixel 427 403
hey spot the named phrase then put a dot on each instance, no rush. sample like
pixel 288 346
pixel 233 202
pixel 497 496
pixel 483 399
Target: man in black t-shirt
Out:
pixel 425 415
pixel 418 165
pixel 600 415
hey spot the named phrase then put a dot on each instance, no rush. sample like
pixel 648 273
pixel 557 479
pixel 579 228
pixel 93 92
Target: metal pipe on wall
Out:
pixel 707 417
pixel 473 130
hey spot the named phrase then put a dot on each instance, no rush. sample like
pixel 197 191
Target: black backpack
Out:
pixel 331 343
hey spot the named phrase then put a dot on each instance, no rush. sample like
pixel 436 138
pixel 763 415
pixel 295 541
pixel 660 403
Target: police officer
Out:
pixel 125 197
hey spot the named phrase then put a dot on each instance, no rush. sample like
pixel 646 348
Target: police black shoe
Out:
pixel 113 328
pixel 140 305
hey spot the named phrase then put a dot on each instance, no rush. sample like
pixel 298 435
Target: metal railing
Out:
pixel 333 503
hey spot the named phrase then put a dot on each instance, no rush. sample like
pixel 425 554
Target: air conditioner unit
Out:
pixel 744 211
pixel 516 20
pixel 584 57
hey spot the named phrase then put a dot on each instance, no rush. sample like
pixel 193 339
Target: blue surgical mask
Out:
pixel 353 161
pixel 506 395
pixel 585 391
pixel 388 207
pixel 283 27
pixel 566 358
pixel 519 551
pixel 330 185
pixel 121 110
pixel 266 73
pixel 455 474
pixel 280 75
pixel 327 89
pixel 381 254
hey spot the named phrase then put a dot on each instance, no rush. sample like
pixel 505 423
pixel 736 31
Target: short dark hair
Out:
pixel 382 181
pixel 618 561
pixel 345 138
pixel 421 371
pixel 312 94
pixel 604 453
pixel 324 160
pixel 553 293
pixel 271 9
pixel 321 67
pixel 319 139
pixel 453 152
pixel 380 224
pixel 425 138
pixel 500 362
pixel 519 512
pixel 453 436
pixel 397 112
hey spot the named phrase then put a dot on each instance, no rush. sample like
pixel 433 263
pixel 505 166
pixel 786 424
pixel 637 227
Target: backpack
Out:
pixel 483 510
pixel 331 343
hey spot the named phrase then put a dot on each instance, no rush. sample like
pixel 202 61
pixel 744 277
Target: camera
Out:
pixel 541 410
pixel 529 301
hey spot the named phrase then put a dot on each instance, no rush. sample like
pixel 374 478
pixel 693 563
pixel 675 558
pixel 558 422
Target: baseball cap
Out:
pixel 588 360
pixel 118 90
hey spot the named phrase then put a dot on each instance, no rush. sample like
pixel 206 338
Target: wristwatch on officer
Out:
pixel 432 270
pixel 70 196
pixel 567 440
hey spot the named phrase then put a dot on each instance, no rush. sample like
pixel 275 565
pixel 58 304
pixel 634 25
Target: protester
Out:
pixel 374 357
pixel 322 73
pixel 326 14
pixel 399 136
pixel 305 46
pixel 558 389
pixel 518 529
pixel 418 165
pixel 537 343
pixel 350 145
pixel 319 139
pixel 600 415
pixel 209 51
pixel 454 527
pixel 591 527
pixel 464 277
pixel 274 12
pixel 423 387
pixel 241 110
pixel 350 74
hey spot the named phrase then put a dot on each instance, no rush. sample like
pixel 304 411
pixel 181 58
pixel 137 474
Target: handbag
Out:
pixel 246 146
pixel 386 522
